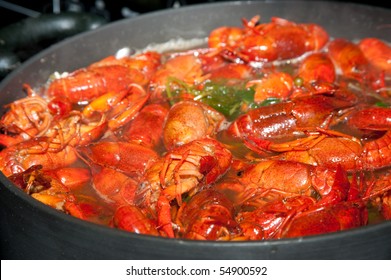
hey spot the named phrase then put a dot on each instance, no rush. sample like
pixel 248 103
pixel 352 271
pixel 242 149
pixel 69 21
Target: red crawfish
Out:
pixel 108 75
pixel 260 128
pixel 208 215
pixel 181 172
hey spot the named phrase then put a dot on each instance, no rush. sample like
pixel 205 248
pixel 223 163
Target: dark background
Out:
pixel 34 33
pixel 111 9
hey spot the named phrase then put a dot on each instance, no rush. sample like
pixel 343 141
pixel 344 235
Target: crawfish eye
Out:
pixel 239 173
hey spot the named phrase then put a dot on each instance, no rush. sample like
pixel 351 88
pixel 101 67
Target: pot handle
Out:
pixel 20 40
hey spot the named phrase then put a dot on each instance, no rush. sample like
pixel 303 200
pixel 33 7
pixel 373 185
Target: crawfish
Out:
pixel 272 85
pixel 377 152
pixel 348 212
pixel 133 219
pixel 43 187
pixel 37 151
pixel 315 75
pixel 146 62
pixel 26 118
pixel 117 108
pixel 266 221
pixel 31 117
pixel 352 153
pixel 325 150
pixel 312 37
pixel 271 180
pixel 128 158
pixel 190 120
pixel 377 52
pixel 231 73
pixel 48 189
pixel 208 215
pixel 338 208
pixel 317 67
pixel 113 186
pixel 350 59
pixel 341 216
pixel 115 168
pixel 182 171
pixel 147 126
pixel 73 130
pixel 72 177
pixel 184 68
pixel 259 127
pixel 278 40
pixel 108 75
pixel 382 199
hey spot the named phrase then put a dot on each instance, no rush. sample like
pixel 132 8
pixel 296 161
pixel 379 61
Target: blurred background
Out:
pixel 14 10
pixel 28 26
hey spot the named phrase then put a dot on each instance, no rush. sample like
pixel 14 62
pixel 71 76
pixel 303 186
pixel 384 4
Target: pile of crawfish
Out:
pixel 272 130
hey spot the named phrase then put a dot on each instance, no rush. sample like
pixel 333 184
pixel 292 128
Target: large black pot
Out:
pixel 31 230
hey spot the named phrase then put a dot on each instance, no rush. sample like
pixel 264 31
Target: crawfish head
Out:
pixel 208 215
pixel 207 163
pixel 339 190
pixel 332 218
pixel 31 180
